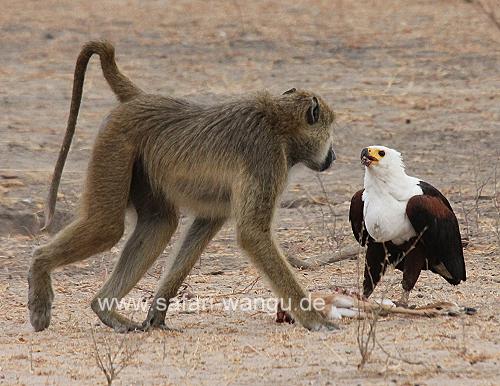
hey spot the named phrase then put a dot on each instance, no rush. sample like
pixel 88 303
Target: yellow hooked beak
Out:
pixel 370 155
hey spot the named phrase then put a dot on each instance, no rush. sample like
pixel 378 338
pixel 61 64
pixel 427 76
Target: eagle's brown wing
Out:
pixel 431 215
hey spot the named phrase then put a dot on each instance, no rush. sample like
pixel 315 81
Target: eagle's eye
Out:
pixel 381 153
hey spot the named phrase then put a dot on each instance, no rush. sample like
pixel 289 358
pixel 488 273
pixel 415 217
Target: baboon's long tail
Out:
pixel 119 83
pixel 123 88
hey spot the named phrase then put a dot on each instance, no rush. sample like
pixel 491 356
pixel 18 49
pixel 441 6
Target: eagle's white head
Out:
pixel 382 161
pixel 385 172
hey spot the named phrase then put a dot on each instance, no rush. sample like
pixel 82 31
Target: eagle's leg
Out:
pixel 414 263
pixel 403 300
pixel 375 264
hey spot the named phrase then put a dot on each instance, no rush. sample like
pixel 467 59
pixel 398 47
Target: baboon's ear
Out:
pixel 291 91
pixel 312 114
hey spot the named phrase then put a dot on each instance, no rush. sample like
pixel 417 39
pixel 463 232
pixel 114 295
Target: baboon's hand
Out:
pixel 323 324
pixel 328 325
pixel 315 321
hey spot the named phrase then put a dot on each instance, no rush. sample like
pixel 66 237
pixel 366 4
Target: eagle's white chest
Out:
pixel 386 219
pixel 387 192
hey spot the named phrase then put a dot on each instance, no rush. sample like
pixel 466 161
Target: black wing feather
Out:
pixel 356 218
pixel 431 213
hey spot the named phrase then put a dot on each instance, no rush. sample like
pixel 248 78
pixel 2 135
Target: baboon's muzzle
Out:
pixel 330 157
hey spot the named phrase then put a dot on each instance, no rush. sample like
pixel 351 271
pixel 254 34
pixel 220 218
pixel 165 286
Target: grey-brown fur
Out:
pixel 159 154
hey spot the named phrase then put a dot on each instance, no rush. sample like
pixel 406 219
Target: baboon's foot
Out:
pixel 113 319
pixel 40 297
pixel 156 320
pixel 123 325
pixel 123 328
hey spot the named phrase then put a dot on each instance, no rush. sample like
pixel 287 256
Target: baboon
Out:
pixel 158 154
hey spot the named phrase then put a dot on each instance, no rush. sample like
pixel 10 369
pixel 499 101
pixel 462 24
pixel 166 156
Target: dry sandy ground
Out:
pixel 421 76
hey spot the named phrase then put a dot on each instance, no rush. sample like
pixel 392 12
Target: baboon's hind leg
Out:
pixel 157 220
pixel 198 236
pixel 77 241
pixel 99 226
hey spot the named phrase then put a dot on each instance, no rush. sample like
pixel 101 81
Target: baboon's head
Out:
pixel 309 129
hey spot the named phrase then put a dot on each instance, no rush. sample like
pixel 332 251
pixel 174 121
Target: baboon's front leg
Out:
pixel 147 242
pixel 198 236
pixel 255 205
pixel 268 259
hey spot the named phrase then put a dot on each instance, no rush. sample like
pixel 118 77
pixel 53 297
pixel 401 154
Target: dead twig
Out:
pixel 112 362
pixel 466 214
pixel 399 356
pixel 338 253
pixel 248 288
pixel 367 327
pixel 349 252
pixel 245 290
pixel 496 203
pixel 489 11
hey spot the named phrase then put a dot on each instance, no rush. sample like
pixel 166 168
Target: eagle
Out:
pixel 405 222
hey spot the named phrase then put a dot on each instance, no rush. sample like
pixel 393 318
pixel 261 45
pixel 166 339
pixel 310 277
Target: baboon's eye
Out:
pixel 313 112
pixel 291 91
pixel 381 153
